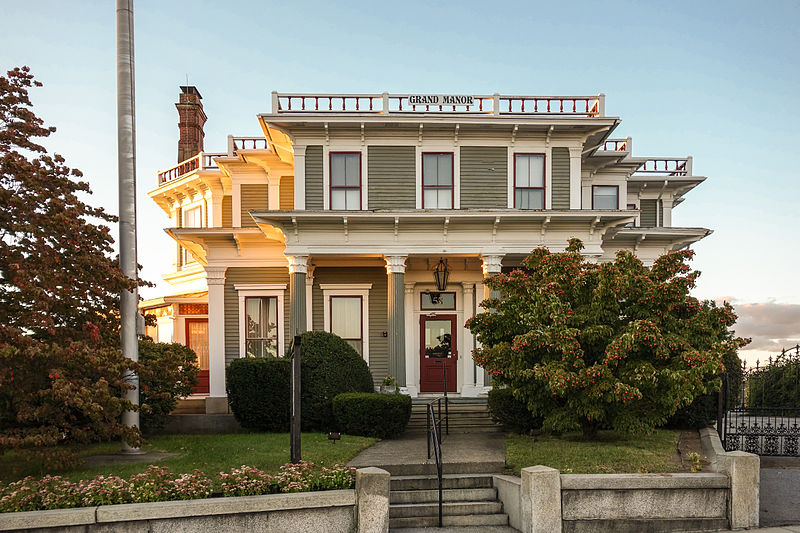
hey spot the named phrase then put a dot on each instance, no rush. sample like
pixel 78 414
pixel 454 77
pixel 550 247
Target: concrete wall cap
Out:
pixel 41 519
pixel 643 481
pixel 508 479
pixel 222 506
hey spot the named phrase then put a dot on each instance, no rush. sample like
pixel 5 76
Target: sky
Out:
pixel 714 80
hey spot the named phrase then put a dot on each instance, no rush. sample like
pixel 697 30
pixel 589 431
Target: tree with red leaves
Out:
pixel 615 344
pixel 60 368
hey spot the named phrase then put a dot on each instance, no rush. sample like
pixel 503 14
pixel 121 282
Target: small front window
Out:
pixel 346 181
pixel 437 181
pixel 605 197
pixel 346 320
pixel 529 181
pixel 261 329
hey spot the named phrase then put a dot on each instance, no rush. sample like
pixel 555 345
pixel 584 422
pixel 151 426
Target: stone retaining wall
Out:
pixel 365 509
pixel 543 500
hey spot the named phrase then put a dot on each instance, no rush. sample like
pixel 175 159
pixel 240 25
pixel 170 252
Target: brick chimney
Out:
pixel 190 122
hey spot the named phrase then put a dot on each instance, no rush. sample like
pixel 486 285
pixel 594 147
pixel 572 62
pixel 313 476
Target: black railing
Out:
pixel 435 437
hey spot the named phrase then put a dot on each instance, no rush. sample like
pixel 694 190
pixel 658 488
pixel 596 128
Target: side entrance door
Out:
pixel 197 340
pixel 437 351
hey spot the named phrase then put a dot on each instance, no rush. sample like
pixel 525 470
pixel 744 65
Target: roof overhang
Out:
pixel 670 238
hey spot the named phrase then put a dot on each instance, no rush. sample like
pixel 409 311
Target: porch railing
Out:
pixel 490 104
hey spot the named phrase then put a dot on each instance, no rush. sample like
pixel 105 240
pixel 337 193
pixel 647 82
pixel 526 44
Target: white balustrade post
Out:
pixel 385 101
pixel 275 102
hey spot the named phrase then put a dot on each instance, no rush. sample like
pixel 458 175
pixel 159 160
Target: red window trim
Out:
pixel 361 317
pixel 439 187
pixel 277 325
pixel 544 179
pixel 340 187
pixel 615 186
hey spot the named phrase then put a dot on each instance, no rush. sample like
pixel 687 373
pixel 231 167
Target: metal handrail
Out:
pixel 436 436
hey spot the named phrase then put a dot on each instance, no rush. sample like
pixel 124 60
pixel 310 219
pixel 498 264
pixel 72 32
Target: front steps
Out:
pixel 467 415
pixel 469 500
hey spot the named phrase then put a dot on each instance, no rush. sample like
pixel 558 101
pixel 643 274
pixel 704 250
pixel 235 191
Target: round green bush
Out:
pixel 330 367
pixel 369 414
pixel 167 371
pixel 258 392
pixel 512 413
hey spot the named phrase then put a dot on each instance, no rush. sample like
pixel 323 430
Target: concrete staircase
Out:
pixel 469 500
pixel 467 415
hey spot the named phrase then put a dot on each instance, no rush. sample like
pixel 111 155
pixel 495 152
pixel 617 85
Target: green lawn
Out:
pixel 608 454
pixel 209 453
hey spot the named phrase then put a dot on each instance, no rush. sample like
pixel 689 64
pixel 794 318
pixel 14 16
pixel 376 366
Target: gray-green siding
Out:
pixel 250 275
pixel 378 309
pixel 484 177
pixel 560 178
pixel 314 177
pixel 391 174
pixel 253 196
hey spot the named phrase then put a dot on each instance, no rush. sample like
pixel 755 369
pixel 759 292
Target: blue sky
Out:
pixel 715 80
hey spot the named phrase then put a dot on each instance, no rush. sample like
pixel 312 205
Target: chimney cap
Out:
pixel 190 89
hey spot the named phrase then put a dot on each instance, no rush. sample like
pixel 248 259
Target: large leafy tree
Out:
pixel 616 344
pixel 60 368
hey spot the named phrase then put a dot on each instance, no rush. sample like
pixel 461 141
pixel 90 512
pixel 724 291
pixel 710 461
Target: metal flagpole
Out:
pixel 126 148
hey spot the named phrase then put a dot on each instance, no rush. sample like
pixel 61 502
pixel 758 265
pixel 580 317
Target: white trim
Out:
pixel 259 286
pixel 344 289
pixel 275 290
pixel 236 205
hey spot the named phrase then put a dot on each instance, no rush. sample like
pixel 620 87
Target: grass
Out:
pixel 608 454
pixel 209 453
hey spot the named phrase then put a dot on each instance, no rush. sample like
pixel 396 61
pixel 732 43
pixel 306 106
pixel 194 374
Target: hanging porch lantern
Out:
pixel 440 275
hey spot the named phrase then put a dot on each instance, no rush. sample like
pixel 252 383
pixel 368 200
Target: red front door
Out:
pixel 437 352
pixel 197 340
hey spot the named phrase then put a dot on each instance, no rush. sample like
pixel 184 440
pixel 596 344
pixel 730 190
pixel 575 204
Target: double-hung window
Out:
pixel 346 320
pixel 437 180
pixel 192 218
pixel 261 329
pixel 605 197
pixel 345 180
pixel 529 181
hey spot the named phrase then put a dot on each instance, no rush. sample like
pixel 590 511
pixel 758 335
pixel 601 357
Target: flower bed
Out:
pixel 158 484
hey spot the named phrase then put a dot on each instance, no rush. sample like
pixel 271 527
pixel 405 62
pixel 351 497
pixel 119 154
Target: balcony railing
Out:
pixel 617 145
pixel 678 166
pixel 385 103
pixel 246 143
pixel 202 161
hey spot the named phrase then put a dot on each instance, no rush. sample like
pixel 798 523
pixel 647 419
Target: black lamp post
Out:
pixel 440 275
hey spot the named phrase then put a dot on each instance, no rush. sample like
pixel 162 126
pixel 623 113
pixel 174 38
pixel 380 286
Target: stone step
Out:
pixel 449 481
pixel 403 469
pixel 406 510
pixel 645 525
pixel 190 406
pixel 456 529
pixel 478 520
pixel 448 495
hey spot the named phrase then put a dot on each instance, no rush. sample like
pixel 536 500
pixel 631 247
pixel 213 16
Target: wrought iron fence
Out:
pixel 762 413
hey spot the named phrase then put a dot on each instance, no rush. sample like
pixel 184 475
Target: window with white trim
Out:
pixel 605 197
pixel 261 315
pixel 346 320
pixel 437 180
pixel 528 181
pixel 346 313
pixel 345 180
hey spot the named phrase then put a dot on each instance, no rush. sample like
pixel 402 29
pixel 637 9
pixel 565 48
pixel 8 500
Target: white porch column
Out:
pixel 217 401
pixel 468 387
pixel 298 265
pixel 479 296
pixel 412 355
pixel 575 178
pixel 396 269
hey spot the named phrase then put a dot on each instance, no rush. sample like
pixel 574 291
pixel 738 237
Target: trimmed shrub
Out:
pixel 512 413
pixel 167 371
pixel 372 415
pixel 258 392
pixel 330 367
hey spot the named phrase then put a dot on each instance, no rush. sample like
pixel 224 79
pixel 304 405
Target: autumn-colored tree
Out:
pixel 60 368
pixel 617 344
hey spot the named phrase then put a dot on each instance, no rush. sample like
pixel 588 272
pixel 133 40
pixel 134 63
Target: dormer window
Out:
pixel 605 197
pixel 529 181
pixel 345 181
pixel 437 180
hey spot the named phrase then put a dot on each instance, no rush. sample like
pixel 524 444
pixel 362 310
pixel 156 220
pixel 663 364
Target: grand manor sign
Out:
pixel 441 99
